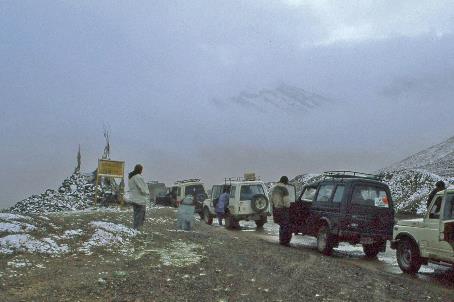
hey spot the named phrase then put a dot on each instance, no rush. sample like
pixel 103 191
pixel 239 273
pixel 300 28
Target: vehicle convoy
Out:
pixel 180 189
pixel 428 239
pixel 248 201
pixel 345 206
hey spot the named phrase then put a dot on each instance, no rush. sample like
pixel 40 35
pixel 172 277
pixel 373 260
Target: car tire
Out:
pixel 259 203
pixel 207 217
pixel 230 222
pixel 408 256
pixel 371 250
pixel 324 240
pixel 259 223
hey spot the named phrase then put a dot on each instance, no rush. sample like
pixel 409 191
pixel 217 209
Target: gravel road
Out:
pixel 212 264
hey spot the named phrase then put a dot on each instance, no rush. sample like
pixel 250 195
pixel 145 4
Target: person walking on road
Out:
pixel 222 204
pixel 281 204
pixel 139 195
pixel 439 186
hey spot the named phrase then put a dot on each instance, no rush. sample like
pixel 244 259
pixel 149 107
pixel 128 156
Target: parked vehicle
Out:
pixel 345 207
pixel 428 239
pixel 248 201
pixel 181 188
pixel 156 189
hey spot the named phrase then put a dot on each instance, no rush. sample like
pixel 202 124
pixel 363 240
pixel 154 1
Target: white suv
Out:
pixel 248 201
pixel 189 187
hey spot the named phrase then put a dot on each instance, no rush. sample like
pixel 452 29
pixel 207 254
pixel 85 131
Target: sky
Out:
pixel 162 77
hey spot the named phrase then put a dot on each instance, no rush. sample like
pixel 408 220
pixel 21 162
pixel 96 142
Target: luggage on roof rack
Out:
pixel 351 174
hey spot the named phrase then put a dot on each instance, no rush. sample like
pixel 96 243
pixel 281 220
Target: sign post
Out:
pixel 112 169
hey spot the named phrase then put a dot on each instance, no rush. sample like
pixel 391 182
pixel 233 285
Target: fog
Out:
pixel 162 75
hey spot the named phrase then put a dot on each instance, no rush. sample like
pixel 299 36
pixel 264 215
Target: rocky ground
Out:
pixel 96 256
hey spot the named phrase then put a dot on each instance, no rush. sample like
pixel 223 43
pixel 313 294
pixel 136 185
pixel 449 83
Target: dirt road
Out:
pixel 209 264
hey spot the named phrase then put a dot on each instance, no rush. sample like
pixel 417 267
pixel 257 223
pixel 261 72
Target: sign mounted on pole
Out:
pixel 110 169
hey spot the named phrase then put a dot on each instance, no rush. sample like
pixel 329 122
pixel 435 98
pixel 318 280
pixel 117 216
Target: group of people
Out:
pixel 139 196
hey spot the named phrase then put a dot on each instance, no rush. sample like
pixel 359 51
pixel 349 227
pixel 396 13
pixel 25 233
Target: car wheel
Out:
pixel 259 223
pixel 207 217
pixel 408 256
pixel 259 203
pixel 371 250
pixel 324 240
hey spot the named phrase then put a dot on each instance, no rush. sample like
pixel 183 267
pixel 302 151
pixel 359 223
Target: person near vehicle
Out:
pixel 439 186
pixel 280 200
pixel 139 195
pixel 185 215
pixel 222 204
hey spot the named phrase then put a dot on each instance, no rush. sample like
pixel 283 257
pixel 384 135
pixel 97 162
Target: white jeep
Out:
pixel 189 187
pixel 248 201
pixel 428 239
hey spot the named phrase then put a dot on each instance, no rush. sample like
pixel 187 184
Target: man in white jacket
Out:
pixel 139 195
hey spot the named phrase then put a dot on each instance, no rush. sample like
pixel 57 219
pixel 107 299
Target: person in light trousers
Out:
pixel 139 195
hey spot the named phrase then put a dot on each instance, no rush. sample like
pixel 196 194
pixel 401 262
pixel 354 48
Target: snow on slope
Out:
pixel 438 159
pixel 283 97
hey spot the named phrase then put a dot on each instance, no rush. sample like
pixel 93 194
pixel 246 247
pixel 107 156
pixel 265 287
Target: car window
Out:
pixel 232 192
pixel 194 189
pixel 247 191
pixel 339 193
pixel 449 207
pixel 309 194
pixel 435 210
pixel 370 196
pixel 324 193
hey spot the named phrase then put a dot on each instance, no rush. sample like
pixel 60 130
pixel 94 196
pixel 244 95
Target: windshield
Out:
pixel 248 191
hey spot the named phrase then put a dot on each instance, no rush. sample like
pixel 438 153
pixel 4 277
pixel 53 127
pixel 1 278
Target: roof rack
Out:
pixel 351 174
pixel 187 180
pixel 246 177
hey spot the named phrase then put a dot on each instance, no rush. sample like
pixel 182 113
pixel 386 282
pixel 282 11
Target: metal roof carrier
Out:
pixel 351 174
pixel 187 180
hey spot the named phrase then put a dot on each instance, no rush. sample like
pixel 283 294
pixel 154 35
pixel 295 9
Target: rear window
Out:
pixel 194 189
pixel 247 191
pixel 370 196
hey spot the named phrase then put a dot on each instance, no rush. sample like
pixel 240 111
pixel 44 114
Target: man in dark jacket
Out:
pixel 439 186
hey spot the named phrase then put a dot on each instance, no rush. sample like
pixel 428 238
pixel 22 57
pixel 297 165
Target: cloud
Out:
pixel 357 21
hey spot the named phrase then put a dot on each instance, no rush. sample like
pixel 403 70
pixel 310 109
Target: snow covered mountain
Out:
pixel 283 97
pixel 438 159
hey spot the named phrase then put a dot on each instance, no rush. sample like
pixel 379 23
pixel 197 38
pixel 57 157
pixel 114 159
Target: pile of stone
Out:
pixel 75 193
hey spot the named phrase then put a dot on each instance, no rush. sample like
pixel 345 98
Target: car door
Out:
pixel 430 232
pixel 370 211
pixel 444 245
pixel 216 192
pixel 323 207
pixel 299 210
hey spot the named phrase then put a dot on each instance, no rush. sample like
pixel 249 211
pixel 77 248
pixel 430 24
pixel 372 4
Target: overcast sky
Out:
pixel 156 72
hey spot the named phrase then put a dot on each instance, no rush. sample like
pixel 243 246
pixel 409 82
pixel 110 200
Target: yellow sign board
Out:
pixel 111 168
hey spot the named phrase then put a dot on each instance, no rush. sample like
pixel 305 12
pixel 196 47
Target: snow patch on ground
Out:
pixel 10 216
pixel 180 254
pixel 107 234
pixel 27 243
pixel 15 227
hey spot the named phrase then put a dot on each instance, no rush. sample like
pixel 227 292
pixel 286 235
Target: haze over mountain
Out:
pixel 151 69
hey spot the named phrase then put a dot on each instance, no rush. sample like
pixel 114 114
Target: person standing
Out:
pixel 185 215
pixel 139 195
pixel 222 204
pixel 439 186
pixel 281 204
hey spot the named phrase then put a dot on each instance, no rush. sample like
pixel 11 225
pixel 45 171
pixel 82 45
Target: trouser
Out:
pixel 220 216
pixel 139 215
pixel 282 216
